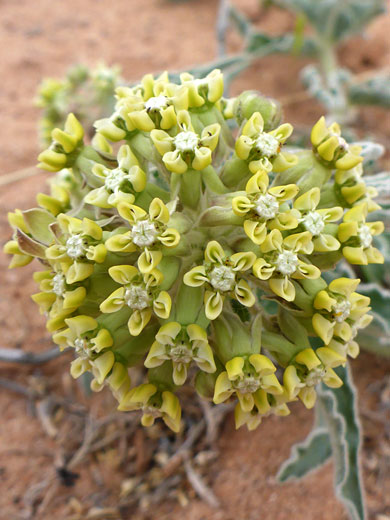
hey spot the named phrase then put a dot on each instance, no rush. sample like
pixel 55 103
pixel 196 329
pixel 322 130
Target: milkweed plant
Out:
pixel 188 238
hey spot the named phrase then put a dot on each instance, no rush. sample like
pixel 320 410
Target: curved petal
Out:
pixel 244 294
pixel 214 253
pixel 123 274
pixel 148 260
pixel 309 200
pixel 283 287
pixel 241 205
pixel 223 388
pixel 156 356
pixel 162 305
pixel 174 162
pixel 196 276
pixel 262 269
pixel 213 304
pixel 256 231
pixel 170 237
pixel 168 332
pixel 114 302
pixel 138 321
pixel 243 261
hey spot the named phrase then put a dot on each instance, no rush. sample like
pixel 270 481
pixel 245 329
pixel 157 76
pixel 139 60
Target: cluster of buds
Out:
pixel 88 93
pixel 162 238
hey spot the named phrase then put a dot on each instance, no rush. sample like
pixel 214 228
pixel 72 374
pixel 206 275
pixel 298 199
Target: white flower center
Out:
pixel 144 233
pixel 267 206
pixel 114 178
pixel 75 246
pixel 222 278
pixel 181 353
pixel 58 284
pixel 247 384
pixel 287 262
pixel 186 141
pixel 315 376
pixel 314 223
pixel 83 347
pixel 156 103
pixel 342 310
pixel 136 297
pixel 365 236
pixel 267 144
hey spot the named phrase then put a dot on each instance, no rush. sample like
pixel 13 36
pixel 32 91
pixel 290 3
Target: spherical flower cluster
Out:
pixel 160 239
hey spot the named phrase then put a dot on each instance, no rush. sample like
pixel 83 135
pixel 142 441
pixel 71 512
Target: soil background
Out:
pixel 43 38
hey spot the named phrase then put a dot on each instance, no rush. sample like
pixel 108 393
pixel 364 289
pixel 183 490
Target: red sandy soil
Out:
pixel 43 38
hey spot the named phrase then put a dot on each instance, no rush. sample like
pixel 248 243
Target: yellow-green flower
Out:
pixel 340 308
pixel 310 368
pixel 315 220
pixel 245 377
pixel 89 342
pixel 147 231
pixel 78 246
pixel 265 405
pixel 64 143
pixel 154 404
pixel 120 184
pixel 265 208
pixel 141 293
pixel 153 104
pixel 281 261
pixel 263 149
pixel 356 236
pixel 220 271
pixel 182 346
pixel 354 190
pixel 118 381
pixel 186 149
pixel 56 296
pixel 351 347
pixel 332 148
pixel 203 90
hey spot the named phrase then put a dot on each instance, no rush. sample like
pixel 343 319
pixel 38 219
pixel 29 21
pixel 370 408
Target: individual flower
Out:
pixel 90 342
pixel 340 307
pixel 182 346
pixel 119 184
pixel 316 220
pixel 333 149
pixel 154 404
pixel 141 293
pixel 310 368
pixel 356 236
pixel 219 271
pixel 118 381
pixel 351 347
pixel 264 405
pixel 263 149
pixel 64 146
pixel 265 208
pixel 186 149
pixel 77 247
pixel 152 104
pixel 281 261
pixel 203 90
pixel 56 296
pixel 352 188
pixel 147 231
pixel 246 377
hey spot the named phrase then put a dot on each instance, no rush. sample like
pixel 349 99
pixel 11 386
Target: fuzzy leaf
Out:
pixel 340 412
pixel 307 456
